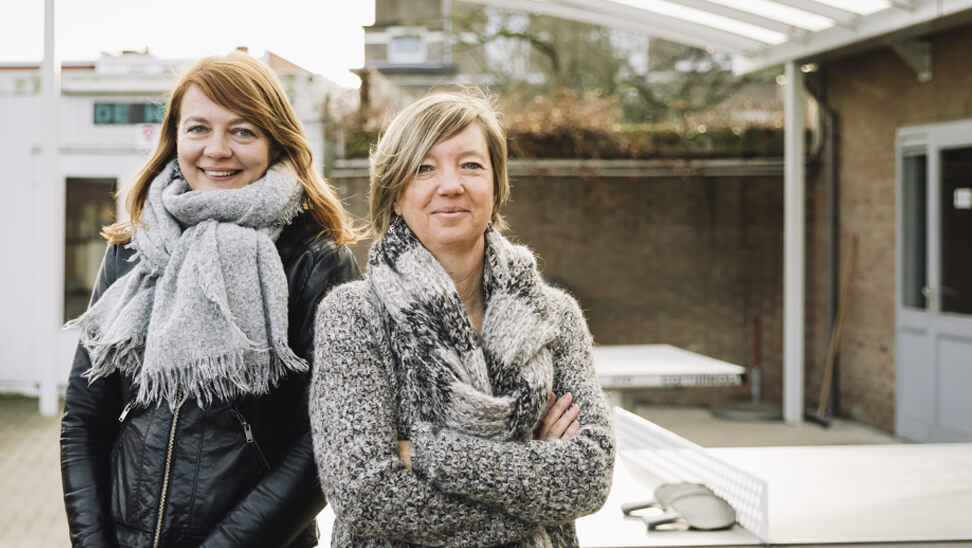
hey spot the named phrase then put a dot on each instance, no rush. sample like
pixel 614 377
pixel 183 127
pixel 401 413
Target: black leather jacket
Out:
pixel 240 473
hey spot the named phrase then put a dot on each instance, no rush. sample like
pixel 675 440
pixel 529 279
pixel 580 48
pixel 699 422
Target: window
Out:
pixel 915 236
pixel 956 208
pixel 89 206
pixel 406 49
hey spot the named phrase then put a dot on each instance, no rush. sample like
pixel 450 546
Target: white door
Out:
pixel 934 283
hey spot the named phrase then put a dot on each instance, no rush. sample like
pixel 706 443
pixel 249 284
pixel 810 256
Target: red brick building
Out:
pixel 903 156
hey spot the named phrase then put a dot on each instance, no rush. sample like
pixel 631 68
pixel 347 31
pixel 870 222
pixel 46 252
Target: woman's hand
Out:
pixel 405 452
pixel 559 418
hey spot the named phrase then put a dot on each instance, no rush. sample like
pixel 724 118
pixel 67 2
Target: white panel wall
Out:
pixel 17 253
pixel 20 258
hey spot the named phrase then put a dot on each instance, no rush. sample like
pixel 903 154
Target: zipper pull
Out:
pixel 126 410
pixel 247 431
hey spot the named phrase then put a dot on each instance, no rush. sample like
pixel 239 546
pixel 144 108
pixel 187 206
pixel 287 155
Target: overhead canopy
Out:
pixel 767 33
pixel 758 33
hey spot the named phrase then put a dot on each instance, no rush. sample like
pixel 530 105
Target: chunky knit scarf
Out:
pixel 204 312
pixel 494 389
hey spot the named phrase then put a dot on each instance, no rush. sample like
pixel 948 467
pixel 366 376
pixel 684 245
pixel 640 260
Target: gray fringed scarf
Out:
pixel 494 390
pixel 205 308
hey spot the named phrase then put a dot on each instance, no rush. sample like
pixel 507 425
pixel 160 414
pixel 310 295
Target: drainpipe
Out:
pixel 831 138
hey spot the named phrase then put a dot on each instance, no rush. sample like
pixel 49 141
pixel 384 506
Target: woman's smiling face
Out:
pixel 449 201
pixel 218 149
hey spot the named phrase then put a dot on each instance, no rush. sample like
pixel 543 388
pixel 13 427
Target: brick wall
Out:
pixel 688 261
pixel 874 94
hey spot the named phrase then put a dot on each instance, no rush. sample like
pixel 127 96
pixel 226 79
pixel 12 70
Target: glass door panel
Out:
pixel 89 206
pixel 914 279
pixel 956 230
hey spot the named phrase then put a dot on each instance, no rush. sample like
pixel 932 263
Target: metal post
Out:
pixel 793 245
pixel 49 212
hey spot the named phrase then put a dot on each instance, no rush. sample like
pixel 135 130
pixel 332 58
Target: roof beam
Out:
pixel 714 37
pixel 907 5
pixel 682 33
pixel 917 54
pixel 840 17
pixel 752 18
pixel 871 27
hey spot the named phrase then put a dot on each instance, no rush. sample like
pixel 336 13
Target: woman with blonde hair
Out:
pixel 185 419
pixel 453 400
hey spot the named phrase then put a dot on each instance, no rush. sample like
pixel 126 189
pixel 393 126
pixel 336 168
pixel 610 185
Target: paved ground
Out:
pixel 30 485
pixel 30 478
pixel 702 427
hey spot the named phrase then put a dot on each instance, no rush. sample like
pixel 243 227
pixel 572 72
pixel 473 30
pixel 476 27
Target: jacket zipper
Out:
pixel 168 468
pixel 126 410
pixel 248 432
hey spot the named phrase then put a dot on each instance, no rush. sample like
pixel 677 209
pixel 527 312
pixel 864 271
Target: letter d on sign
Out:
pixel 102 113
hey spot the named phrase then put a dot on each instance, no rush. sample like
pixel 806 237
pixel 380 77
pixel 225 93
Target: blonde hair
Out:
pixel 247 87
pixel 414 131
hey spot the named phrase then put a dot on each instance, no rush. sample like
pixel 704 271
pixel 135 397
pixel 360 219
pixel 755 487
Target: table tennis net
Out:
pixel 669 458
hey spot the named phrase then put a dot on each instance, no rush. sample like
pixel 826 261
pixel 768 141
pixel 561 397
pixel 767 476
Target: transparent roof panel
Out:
pixel 708 19
pixel 757 33
pixel 785 14
pixel 860 7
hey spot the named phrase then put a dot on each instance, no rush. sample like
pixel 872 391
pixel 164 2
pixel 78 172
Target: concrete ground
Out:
pixel 704 428
pixel 30 484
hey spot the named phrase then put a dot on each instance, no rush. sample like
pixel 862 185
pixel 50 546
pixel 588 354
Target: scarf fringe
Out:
pixel 219 378
pixel 106 357
pixel 207 379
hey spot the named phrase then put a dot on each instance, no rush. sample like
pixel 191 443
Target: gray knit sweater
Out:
pixel 463 490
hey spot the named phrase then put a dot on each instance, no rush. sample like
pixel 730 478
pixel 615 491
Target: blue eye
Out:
pixel 472 165
pixel 243 132
pixel 196 129
pixel 424 168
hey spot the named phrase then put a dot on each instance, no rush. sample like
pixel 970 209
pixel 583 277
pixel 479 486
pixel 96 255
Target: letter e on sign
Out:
pixel 146 135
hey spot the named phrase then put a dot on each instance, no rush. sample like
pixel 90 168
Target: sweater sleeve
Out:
pixel 352 409
pixel 548 481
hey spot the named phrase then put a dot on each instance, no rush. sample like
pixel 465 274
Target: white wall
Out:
pixel 17 253
pixel 21 259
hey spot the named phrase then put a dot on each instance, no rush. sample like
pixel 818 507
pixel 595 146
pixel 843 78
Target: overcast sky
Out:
pixel 323 36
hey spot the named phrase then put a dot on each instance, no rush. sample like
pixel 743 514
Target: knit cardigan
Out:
pixel 463 490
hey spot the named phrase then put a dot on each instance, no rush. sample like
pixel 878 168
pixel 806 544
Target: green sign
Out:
pixel 128 113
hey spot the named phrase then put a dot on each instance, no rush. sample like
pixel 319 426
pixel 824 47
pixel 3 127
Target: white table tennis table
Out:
pixel 863 494
pixel 851 495
pixel 624 369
